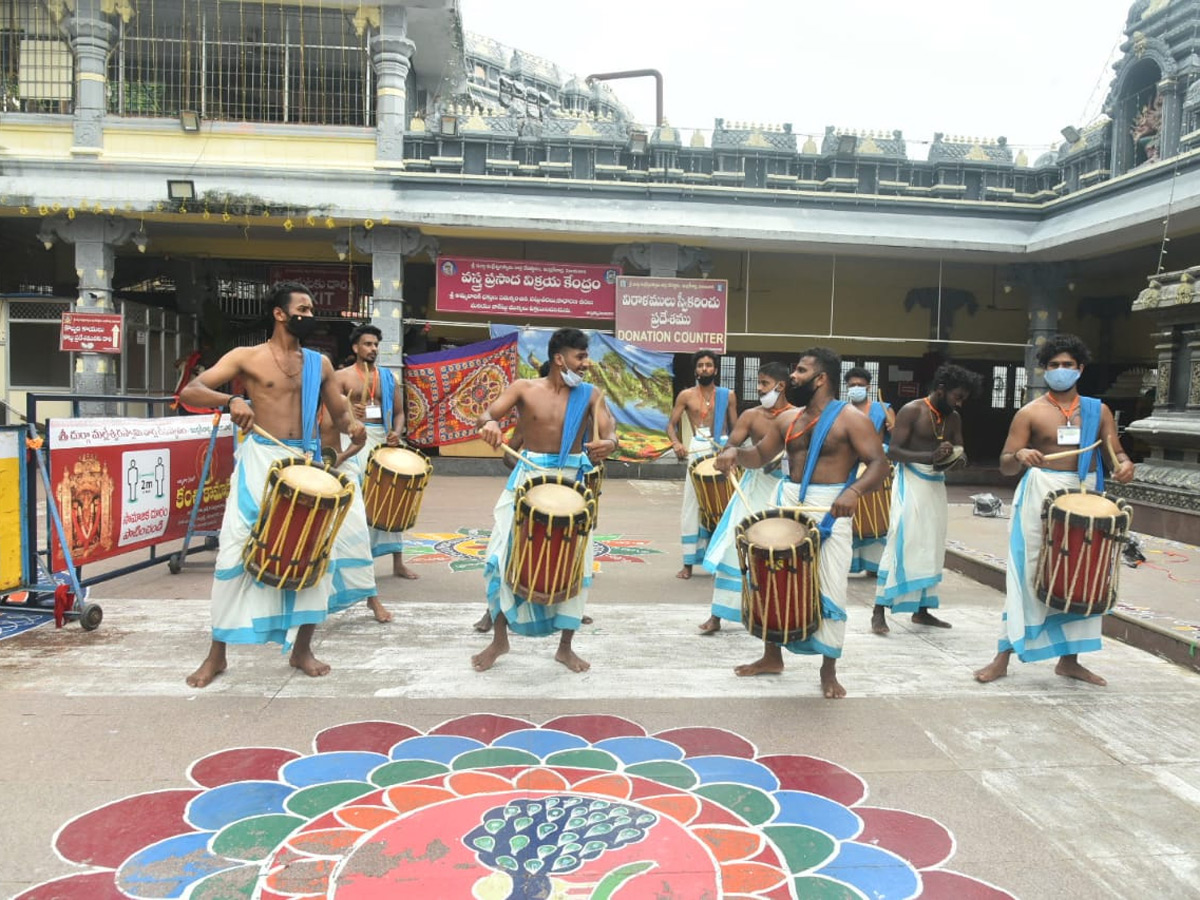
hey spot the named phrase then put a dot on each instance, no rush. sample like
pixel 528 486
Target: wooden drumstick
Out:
pixel 262 432
pixel 1064 454
pixel 737 489
pixel 1112 454
pixel 522 457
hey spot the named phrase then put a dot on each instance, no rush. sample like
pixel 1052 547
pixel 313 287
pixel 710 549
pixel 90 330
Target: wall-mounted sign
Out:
pixel 525 288
pixel 90 332
pixel 680 315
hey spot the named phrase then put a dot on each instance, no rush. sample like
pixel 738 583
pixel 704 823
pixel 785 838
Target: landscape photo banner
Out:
pixel 676 315
pixel 124 484
pixel 527 288
pixel 637 383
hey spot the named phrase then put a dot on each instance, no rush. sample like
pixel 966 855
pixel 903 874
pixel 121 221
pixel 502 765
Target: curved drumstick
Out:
pixel 262 432
pixel 1064 454
pixel 523 458
pixel 1112 454
pixel 737 489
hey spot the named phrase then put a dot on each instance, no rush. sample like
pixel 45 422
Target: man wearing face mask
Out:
pixel 1057 421
pixel 285 385
pixel 555 412
pixel 711 416
pixel 758 486
pixel 868 551
pixel 825 441
pixel 926 434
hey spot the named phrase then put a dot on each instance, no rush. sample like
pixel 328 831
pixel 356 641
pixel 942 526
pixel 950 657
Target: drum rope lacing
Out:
pixel 804 582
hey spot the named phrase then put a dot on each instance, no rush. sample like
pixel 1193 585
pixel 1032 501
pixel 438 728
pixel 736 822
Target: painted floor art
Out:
pixel 464 550
pixel 488 807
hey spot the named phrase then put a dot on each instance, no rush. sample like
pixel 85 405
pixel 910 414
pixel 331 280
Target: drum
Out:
pixel 594 482
pixel 956 460
pixel 552 524
pixel 393 486
pixel 302 508
pixel 1083 535
pixel 874 510
pixel 778 550
pixel 713 489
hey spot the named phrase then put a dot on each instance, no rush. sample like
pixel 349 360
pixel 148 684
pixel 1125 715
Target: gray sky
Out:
pixel 1019 68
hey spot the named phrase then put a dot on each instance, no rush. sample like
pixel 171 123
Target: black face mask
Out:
pixel 706 380
pixel 301 326
pixel 801 394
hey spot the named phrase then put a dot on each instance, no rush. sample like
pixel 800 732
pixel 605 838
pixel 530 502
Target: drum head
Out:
pixel 706 467
pixel 777 533
pixel 952 460
pixel 401 460
pixel 555 499
pixel 311 480
pixel 1095 506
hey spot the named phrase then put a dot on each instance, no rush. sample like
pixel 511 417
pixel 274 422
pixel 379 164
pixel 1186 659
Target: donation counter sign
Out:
pixel 90 332
pixel 525 288
pixel 678 315
pixel 124 484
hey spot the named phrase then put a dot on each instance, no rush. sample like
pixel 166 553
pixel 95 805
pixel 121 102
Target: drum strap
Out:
pixel 815 444
pixel 1089 429
pixel 878 414
pixel 310 400
pixel 720 412
pixel 577 407
pixel 387 395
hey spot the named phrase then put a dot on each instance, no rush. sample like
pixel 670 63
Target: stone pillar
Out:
pixel 1191 339
pixel 391 51
pixel 1046 285
pixel 91 39
pixel 1166 348
pixel 1172 118
pixel 664 260
pixel 389 246
pixel 95 239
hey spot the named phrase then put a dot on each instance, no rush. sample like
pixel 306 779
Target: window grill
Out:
pixel 729 371
pixel 37 310
pixel 1020 381
pixel 750 367
pixel 999 387
pixel 243 62
pixel 37 70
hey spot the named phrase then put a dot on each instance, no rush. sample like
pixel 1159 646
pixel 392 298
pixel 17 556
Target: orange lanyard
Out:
pixel 1069 412
pixel 805 430
pixel 938 419
pixel 774 413
pixel 369 381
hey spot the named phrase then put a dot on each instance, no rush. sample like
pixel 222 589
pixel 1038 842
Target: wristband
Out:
pixel 232 397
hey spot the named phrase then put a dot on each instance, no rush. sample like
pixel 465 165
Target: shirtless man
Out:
pixel 711 415
pixel 825 441
pixel 758 487
pixel 554 412
pixel 378 402
pixel 1058 421
pixel 284 386
pixel 926 433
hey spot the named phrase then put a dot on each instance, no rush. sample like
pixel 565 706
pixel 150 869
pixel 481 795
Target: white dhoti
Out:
pixel 833 568
pixel 525 618
pixel 911 567
pixel 383 543
pixel 692 533
pixel 1031 629
pixel 245 611
pixel 721 556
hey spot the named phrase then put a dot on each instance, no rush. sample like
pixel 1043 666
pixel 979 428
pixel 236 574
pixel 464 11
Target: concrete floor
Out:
pixel 1051 788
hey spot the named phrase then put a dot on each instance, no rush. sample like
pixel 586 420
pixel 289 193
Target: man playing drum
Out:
pixel 825 443
pixel 284 386
pixel 711 415
pixel 376 401
pixel 926 433
pixel 868 550
pixel 1060 421
pixel 758 486
pixel 554 412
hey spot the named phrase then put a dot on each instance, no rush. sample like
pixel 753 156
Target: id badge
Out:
pixel 1068 436
pixel 376 412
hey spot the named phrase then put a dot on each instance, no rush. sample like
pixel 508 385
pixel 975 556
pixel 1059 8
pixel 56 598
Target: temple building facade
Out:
pixel 169 159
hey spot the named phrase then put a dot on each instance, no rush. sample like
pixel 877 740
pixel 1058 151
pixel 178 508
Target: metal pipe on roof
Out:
pixel 637 73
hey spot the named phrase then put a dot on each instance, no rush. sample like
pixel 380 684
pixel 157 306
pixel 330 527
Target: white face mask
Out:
pixel 856 394
pixel 769 398
pixel 571 379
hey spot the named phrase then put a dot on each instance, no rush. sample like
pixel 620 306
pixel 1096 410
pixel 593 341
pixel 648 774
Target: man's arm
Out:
pixel 201 390
pixel 673 424
pixel 338 406
pixel 397 429
pixel 604 427
pixel 753 457
pixel 890 415
pixel 741 428
pixel 489 420
pixel 1017 453
pixel 867 446
pixel 1123 473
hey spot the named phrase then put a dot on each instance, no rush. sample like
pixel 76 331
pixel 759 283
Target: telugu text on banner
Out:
pixel 678 315
pixel 527 288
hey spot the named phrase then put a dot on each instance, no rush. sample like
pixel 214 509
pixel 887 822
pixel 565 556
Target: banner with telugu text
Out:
pixel 637 383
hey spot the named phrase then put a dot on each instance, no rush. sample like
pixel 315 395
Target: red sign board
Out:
pixel 91 332
pixel 331 287
pixel 525 288
pixel 679 315
pixel 908 390
pixel 124 484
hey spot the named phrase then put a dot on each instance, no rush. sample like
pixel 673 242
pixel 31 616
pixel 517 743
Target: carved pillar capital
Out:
pixel 391 52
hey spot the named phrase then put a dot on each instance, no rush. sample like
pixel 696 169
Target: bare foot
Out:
pixel 711 626
pixel 484 625
pixel 481 662
pixel 925 617
pixel 685 573
pixel 879 624
pixel 1069 667
pixel 572 660
pixel 209 669
pixel 400 570
pixel 587 620
pixel 771 663
pixel 308 664
pixel 994 670
pixel 831 687
pixel 382 613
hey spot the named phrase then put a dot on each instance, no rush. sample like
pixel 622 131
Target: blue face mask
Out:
pixel 856 394
pixel 571 379
pixel 1061 379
